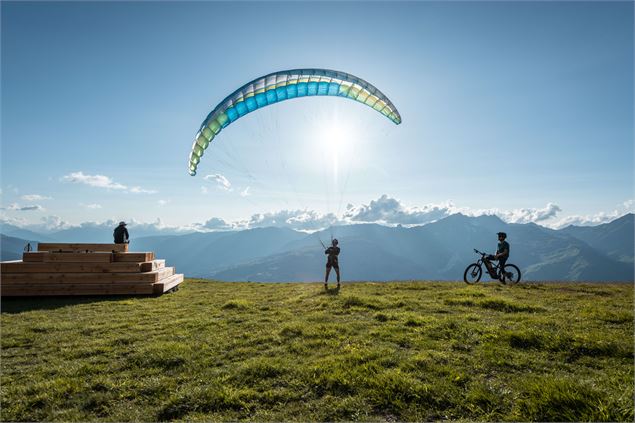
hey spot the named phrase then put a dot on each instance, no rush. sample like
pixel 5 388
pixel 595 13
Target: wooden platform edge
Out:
pixel 79 247
pixel 168 283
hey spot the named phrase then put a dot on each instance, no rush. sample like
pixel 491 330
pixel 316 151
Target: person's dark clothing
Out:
pixel 121 235
pixel 501 262
pixel 502 246
pixel 332 260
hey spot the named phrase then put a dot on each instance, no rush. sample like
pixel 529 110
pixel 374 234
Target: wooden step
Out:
pixel 98 257
pixel 73 289
pixel 168 283
pixel 158 264
pixel 85 278
pixel 133 257
pixel 46 257
pixel 19 266
pixel 78 248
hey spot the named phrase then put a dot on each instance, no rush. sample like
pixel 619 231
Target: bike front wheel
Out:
pixel 511 274
pixel 472 274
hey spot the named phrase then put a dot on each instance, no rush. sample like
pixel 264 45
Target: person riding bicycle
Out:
pixel 332 262
pixel 502 254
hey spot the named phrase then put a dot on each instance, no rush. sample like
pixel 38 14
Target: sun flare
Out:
pixel 336 140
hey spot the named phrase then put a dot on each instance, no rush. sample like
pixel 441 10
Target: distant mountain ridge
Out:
pixel 437 251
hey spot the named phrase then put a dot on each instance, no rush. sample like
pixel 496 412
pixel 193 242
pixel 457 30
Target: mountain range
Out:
pixel 436 251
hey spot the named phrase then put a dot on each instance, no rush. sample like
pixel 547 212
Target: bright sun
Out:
pixel 335 140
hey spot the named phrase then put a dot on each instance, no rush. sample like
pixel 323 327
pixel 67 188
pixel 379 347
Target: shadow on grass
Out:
pixel 15 305
pixel 332 291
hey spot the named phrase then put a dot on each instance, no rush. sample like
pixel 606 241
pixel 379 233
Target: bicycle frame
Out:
pixel 482 261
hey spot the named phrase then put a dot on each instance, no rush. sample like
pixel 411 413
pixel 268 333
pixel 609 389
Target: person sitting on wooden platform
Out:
pixel 121 234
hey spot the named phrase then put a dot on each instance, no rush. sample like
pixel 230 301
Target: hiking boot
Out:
pixel 338 286
pixel 326 286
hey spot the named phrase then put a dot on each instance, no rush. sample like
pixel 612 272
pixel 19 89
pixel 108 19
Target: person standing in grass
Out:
pixel 121 234
pixel 332 262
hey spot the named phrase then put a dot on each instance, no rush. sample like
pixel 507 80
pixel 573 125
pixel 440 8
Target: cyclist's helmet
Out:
pixel 334 242
pixel 503 234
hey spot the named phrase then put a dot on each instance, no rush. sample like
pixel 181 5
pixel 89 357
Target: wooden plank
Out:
pixel 46 257
pixel 77 248
pixel 152 265
pixel 34 256
pixel 168 283
pixel 78 257
pixel 78 290
pixel 85 278
pixel 25 267
pixel 133 257
pixel 73 286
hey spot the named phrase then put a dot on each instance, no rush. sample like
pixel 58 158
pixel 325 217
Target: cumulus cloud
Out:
pixel 35 197
pixel 99 181
pixel 214 224
pixel 599 218
pixel 46 224
pixel 388 210
pixel 523 215
pixel 221 181
pixel 305 220
pixel 102 181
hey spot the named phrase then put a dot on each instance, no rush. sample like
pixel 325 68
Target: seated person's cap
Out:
pixel 122 223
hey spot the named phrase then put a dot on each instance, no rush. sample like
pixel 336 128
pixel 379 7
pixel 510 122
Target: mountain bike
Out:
pixel 473 273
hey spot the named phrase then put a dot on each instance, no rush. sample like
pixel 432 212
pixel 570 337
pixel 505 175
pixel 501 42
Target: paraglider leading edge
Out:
pixel 285 85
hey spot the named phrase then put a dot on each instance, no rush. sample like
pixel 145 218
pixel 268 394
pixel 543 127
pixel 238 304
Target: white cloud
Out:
pixel 214 223
pixel 163 202
pixel 92 206
pixel 387 210
pixel 139 190
pixel 245 192
pixel 221 181
pixel 306 220
pixel 523 215
pixel 99 181
pixel 35 197
pixel 102 181
pixel 17 207
pixel 598 218
pixel 46 224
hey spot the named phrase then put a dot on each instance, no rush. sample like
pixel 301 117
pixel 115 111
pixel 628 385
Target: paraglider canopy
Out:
pixel 285 85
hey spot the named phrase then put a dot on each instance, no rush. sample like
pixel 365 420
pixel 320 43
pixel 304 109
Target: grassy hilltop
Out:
pixel 374 351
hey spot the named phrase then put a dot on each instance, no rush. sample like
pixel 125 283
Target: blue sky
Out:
pixel 520 109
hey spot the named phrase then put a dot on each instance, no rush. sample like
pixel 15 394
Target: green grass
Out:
pixel 374 351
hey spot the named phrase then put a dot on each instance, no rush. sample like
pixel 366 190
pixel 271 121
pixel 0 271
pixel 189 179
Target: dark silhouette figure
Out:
pixel 332 262
pixel 121 234
pixel 502 254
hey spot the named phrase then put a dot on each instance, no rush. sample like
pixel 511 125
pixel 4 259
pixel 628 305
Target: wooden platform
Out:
pixel 86 269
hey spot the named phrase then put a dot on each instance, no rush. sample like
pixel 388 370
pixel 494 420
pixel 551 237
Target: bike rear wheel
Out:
pixel 511 274
pixel 472 274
